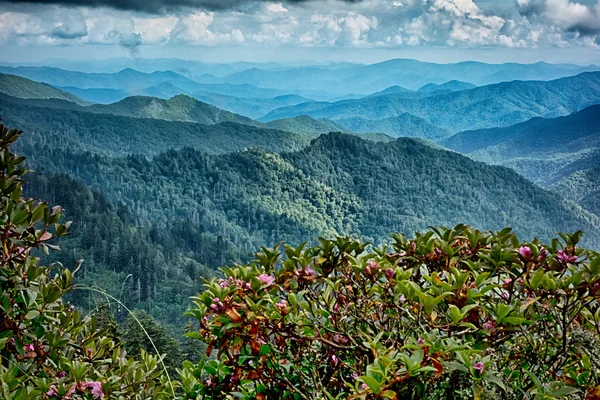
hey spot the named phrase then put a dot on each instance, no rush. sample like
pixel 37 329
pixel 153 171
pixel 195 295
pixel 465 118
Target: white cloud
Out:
pixel 370 23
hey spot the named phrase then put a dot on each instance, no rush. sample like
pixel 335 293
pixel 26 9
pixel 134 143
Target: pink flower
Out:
pixel 96 389
pixel 389 273
pixel 520 281
pixel 374 266
pixel 335 360
pixel 224 283
pixel 266 279
pixel 489 326
pixel 282 306
pixel 214 307
pixel 29 347
pixel 438 251
pixel 402 298
pixel 566 258
pixel 420 341
pixel 479 367
pixel 507 281
pixel 52 391
pixel 308 271
pixel 90 352
pixel 505 295
pixel 364 386
pixel 543 255
pixel 525 252
pixel 62 374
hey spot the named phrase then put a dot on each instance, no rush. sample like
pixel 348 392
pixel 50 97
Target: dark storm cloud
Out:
pixel 573 16
pixel 157 6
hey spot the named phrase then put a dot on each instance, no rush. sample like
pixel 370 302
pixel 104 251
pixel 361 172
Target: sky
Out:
pixel 302 30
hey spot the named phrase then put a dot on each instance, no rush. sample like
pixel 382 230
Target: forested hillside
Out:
pixel 179 108
pixel 543 150
pixel 404 125
pixel 582 187
pixel 49 127
pixel 340 184
pixel 164 263
pixel 16 86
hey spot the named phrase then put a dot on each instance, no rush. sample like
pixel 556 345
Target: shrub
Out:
pixel 452 314
pixel 47 349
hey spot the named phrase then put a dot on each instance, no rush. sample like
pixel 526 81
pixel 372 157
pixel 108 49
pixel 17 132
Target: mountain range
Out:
pixel 543 150
pixel 489 106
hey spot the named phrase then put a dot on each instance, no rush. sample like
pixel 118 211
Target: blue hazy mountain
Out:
pixel 543 150
pixel 404 125
pixel 488 106
pixel 17 86
pixel 451 86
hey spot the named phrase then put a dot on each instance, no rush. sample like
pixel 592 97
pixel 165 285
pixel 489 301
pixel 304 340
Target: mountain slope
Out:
pixel 582 187
pixel 52 127
pixel 338 184
pixel 305 125
pixel 95 95
pixel 26 89
pixel 253 107
pixel 543 150
pixel 490 106
pixel 404 125
pixel 178 108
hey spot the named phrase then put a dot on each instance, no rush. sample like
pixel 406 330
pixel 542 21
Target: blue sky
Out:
pixel 317 30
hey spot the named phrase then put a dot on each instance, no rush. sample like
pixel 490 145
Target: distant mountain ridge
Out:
pixel 490 106
pixel 404 125
pixel 543 150
pixel 24 88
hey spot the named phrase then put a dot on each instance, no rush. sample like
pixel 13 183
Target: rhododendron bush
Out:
pixel 452 314
pixel 48 350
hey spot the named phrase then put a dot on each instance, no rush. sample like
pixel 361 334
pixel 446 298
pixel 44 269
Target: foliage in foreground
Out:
pixel 453 314
pixel 48 350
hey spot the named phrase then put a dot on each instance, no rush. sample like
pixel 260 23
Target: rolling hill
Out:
pixel 16 86
pixel 543 150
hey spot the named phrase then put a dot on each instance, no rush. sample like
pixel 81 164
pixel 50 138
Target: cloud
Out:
pixel 564 13
pixel 318 23
pixel 74 30
pixel 157 6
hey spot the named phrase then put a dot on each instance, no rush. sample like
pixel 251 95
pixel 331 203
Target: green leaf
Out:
pixel 372 383
pixel 32 314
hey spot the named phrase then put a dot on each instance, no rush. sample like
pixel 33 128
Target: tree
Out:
pixel 47 349
pixel 455 313
pixel 136 338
